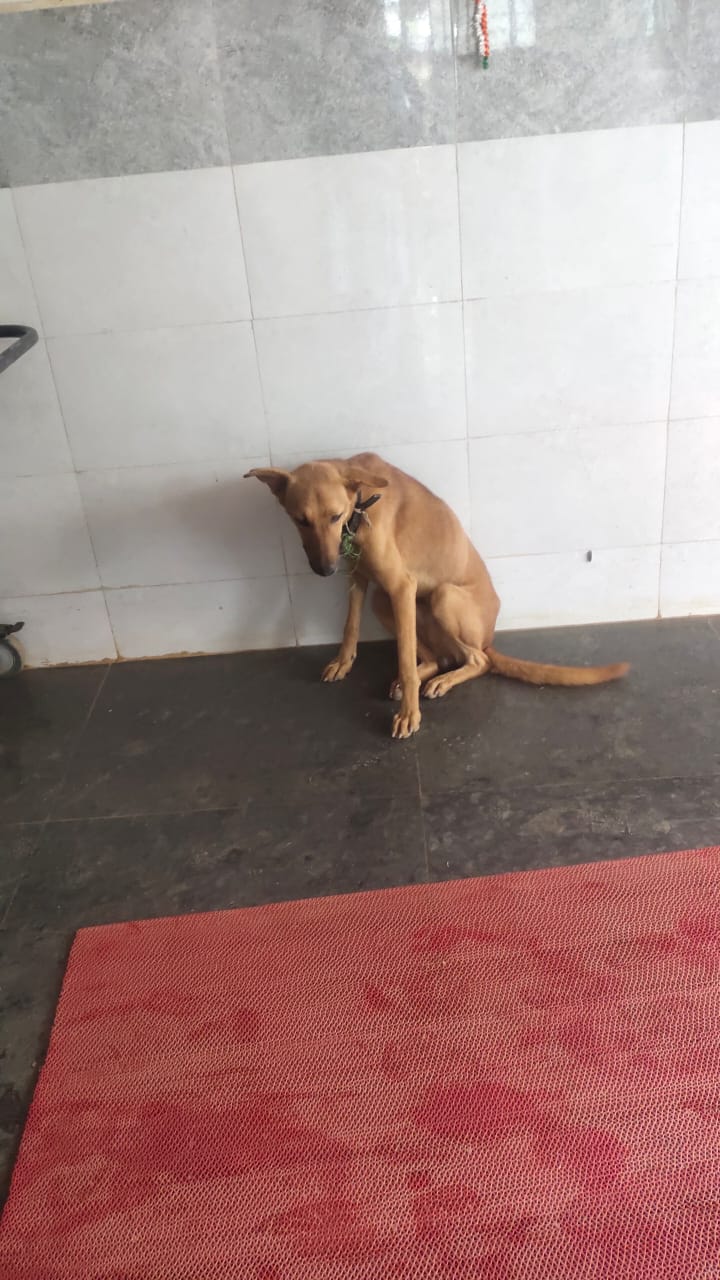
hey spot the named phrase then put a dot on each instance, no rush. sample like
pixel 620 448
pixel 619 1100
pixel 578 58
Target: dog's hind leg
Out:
pixel 458 614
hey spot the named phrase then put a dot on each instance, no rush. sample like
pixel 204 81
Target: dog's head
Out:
pixel 319 497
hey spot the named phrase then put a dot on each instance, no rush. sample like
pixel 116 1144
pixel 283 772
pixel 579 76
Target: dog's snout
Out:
pixel 324 568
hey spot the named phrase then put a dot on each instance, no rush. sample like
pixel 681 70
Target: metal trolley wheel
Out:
pixel 10 660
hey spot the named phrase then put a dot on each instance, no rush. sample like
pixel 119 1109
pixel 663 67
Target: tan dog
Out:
pixel 433 592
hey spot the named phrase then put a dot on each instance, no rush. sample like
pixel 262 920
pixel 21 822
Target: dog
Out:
pixel 432 591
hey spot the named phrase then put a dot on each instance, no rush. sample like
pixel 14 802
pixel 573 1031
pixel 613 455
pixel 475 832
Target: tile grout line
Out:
pixel 567 790
pixel 66 433
pixel 668 420
pixel 81 498
pixel 261 384
pixel 221 92
pixel 629 786
pixel 86 720
pixel 214 460
pixel 335 312
pixel 18 882
pixel 142 814
pixel 331 313
pixel 455 29
pixel 423 828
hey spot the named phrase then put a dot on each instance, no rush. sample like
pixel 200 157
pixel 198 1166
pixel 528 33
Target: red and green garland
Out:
pixel 480 31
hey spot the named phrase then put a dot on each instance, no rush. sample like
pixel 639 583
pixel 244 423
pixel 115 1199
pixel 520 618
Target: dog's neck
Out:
pixel 353 524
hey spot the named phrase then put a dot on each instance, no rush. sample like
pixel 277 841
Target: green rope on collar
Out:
pixel 348 546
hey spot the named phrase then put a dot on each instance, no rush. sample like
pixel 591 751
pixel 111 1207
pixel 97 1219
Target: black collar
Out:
pixel 353 524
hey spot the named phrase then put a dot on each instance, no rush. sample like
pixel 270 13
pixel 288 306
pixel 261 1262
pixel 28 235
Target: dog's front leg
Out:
pixel 403 599
pixel 338 669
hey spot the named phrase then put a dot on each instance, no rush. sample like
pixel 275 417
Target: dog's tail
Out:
pixel 544 673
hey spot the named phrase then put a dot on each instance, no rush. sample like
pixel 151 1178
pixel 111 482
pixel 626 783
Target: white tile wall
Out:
pixel 690 581
pixel 566 590
pixel 692 499
pixel 71 627
pixel 136 252
pixel 320 607
pixel 557 491
pixel 538 402
pixel 696 361
pixel 152 525
pixel 576 210
pixel 442 468
pixel 201 617
pixel 700 225
pixel 581 358
pixel 46 548
pixel 160 395
pixel 335 233
pixel 17 298
pixel 33 436
pixel 366 377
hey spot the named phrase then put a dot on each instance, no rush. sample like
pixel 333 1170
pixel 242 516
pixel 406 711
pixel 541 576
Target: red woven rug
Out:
pixel 514 1077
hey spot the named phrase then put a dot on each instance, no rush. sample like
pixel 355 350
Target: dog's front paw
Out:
pixel 406 722
pixel 337 670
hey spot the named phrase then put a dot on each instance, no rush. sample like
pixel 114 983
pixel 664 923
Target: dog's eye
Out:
pixel 334 519
pixel 302 521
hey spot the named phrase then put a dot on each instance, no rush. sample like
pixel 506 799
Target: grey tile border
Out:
pixel 703 61
pixel 106 90
pixel 557 66
pixel 158 85
pixel 330 77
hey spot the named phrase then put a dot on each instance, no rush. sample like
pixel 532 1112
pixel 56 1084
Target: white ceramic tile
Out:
pixel 17 299
pixel 33 435
pixel 46 547
pixel 570 210
pixel 320 607
pixel 371 377
pixel 181 524
pixel 566 590
pixel 557 491
pixel 690 579
pixel 692 499
pixel 72 627
pixel 149 250
pixel 443 467
pixel 336 233
pixel 161 396
pixel 700 226
pixel 201 617
pixel 586 358
pixel 696 362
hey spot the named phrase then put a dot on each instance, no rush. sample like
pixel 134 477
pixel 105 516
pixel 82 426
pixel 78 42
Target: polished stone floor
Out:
pixel 155 788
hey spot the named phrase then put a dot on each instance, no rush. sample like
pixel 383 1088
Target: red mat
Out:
pixel 514 1077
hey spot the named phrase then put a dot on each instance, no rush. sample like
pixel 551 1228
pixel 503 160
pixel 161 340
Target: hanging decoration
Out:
pixel 480 31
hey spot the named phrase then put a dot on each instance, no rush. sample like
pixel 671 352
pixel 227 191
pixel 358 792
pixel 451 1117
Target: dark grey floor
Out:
pixel 156 788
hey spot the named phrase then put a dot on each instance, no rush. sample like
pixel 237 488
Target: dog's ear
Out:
pixel 275 479
pixel 355 478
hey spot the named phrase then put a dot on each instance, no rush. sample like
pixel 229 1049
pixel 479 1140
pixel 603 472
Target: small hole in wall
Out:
pixel 588 556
